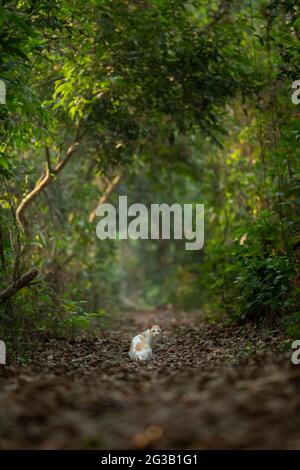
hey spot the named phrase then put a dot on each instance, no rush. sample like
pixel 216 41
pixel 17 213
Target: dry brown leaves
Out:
pixel 208 387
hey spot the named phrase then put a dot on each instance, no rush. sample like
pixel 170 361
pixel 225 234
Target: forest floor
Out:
pixel 208 387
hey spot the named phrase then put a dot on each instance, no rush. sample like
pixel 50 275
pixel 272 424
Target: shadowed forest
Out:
pixel 163 101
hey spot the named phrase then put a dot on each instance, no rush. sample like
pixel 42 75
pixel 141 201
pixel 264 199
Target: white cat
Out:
pixel 141 345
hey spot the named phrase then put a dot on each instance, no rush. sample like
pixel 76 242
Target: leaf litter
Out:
pixel 208 387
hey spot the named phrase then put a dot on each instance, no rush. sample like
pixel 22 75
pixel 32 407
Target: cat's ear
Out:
pixel 149 327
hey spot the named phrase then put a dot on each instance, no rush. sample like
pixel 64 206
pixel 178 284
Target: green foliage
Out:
pixel 292 324
pixel 265 281
pixel 191 102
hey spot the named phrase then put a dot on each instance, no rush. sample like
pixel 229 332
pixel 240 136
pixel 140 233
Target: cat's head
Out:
pixel 155 331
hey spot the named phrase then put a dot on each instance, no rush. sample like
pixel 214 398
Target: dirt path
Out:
pixel 208 387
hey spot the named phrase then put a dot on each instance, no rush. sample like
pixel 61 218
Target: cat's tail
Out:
pixel 143 355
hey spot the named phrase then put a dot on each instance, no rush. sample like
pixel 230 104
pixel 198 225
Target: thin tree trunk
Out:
pixel 20 283
pixel 2 255
pixel 110 188
pixel 43 183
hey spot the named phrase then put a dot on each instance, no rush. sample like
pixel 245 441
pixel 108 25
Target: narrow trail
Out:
pixel 209 386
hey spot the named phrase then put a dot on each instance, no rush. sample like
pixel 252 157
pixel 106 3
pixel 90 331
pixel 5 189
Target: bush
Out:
pixel 257 275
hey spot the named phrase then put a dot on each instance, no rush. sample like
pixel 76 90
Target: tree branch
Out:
pixel 22 281
pixel 43 182
pixel 109 189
